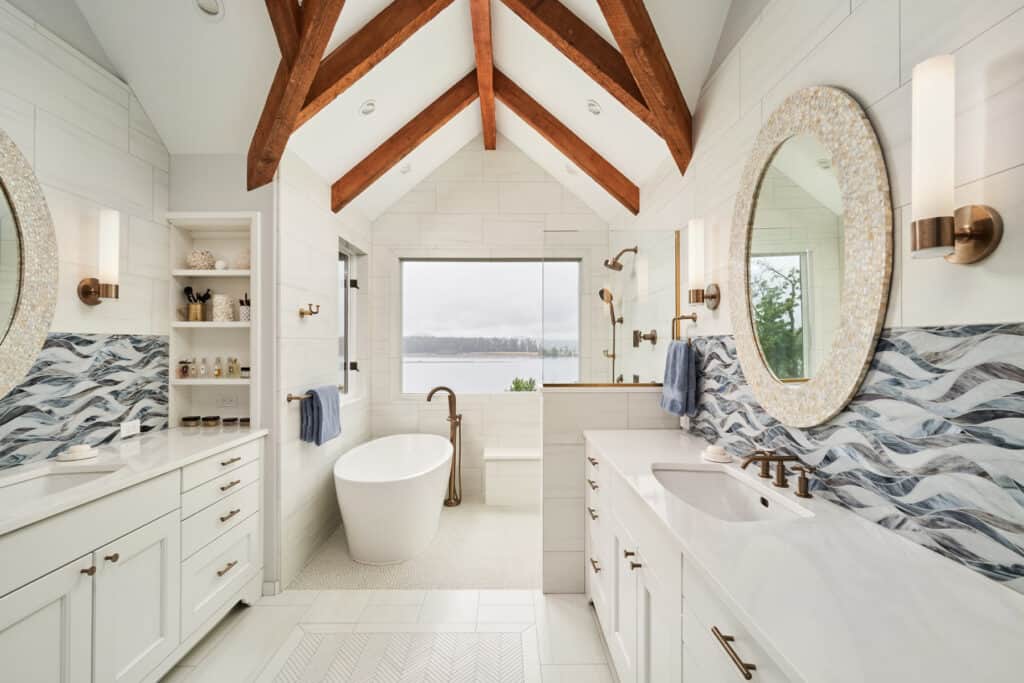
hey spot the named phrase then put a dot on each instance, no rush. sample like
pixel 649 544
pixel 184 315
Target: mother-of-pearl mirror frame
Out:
pixel 839 123
pixel 37 291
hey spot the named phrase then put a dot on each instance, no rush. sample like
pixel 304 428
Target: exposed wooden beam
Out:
pixel 567 142
pixel 638 41
pixel 289 89
pixel 481 13
pixel 402 143
pixel 366 48
pixel 571 36
pixel 286 17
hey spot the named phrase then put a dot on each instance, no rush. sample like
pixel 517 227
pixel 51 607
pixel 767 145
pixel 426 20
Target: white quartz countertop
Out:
pixel 132 461
pixel 833 597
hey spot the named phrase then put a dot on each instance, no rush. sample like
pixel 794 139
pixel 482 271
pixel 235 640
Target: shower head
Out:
pixel 614 263
pixel 606 296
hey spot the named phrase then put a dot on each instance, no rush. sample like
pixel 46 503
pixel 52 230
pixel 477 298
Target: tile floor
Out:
pixel 303 635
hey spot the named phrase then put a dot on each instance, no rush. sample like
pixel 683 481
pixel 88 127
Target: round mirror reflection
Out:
pixel 10 264
pixel 796 259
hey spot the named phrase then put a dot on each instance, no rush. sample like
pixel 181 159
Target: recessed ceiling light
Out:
pixel 368 107
pixel 405 168
pixel 593 107
pixel 210 9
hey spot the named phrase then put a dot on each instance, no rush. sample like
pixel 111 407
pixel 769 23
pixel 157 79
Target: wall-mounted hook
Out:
pixel 641 336
pixel 309 310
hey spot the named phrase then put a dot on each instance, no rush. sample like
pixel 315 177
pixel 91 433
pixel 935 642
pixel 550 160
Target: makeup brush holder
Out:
pixel 221 308
pixel 244 313
pixel 195 313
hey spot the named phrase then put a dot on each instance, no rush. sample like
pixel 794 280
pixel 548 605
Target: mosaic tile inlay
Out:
pixel 931 446
pixel 79 390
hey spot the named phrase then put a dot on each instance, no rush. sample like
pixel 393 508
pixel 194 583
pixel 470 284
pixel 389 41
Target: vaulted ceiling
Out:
pixel 205 83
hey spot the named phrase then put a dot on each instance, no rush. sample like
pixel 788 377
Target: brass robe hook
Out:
pixel 309 310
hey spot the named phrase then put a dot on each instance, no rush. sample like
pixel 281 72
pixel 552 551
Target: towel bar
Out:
pixel 676 336
pixel 293 397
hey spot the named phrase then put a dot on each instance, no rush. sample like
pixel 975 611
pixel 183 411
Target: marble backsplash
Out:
pixel 932 445
pixel 79 390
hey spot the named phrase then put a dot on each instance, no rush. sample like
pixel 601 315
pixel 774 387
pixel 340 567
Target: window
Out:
pixel 344 324
pixel 778 294
pixel 480 326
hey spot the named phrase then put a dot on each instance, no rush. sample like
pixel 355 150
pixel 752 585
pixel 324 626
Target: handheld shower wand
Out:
pixel 606 296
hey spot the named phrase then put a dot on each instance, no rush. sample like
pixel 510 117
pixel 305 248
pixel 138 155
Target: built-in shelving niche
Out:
pixel 234 238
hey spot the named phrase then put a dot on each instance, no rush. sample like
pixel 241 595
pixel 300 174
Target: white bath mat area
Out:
pixel 343 657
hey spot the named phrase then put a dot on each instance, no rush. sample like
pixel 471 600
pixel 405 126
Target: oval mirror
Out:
pixel 810 256
pixel 796 259
pixel 28 266
pixel 10 264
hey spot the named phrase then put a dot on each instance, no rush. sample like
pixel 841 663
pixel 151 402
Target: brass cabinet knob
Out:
pixel 595 565
pixel 593 461
pixel 90 571
pixel 228 567
pixel 593 513
pixel 231 514
pixel 593 484
pixel 113 557
pixel 726 642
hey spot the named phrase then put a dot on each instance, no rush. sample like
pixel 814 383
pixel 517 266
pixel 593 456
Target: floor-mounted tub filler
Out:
pixel 391 491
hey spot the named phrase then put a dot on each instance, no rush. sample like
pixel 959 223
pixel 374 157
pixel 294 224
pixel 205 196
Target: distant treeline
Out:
pixel 466 345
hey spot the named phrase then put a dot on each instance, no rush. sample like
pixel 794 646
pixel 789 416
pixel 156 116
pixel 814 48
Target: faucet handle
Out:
pixel 802 483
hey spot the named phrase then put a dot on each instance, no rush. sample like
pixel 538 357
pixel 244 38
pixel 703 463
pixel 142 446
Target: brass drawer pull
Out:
pixel 228 567
pixel 593 484
pixel 114 557
pixel 231 514
pixel 88 572
pixel 593 513
pixel 633 566
pixel 593 461
pixel 230 461
pixel 596 565
pixel 231 484
pixel 628 554
pixel 725 641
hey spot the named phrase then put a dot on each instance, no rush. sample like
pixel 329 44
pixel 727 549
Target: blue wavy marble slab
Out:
pixel 79 390
pixel 932 445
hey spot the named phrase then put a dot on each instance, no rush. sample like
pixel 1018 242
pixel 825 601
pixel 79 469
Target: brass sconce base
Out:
pixel 91 291
pixel 979 229
pixel 710 296
pixel 973 233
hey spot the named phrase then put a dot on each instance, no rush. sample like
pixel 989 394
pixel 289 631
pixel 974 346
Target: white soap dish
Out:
pixel 715 454
pixel 76 452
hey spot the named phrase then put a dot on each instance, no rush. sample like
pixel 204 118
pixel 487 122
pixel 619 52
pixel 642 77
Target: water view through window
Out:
pixel 489 326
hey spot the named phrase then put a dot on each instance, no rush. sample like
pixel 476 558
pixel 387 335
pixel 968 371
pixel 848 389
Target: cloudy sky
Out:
pixel 491 299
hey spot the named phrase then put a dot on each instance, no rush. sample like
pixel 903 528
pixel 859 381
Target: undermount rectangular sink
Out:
pixel 723 494
pixel 20 488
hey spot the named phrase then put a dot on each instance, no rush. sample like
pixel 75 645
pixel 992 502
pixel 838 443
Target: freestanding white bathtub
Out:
pixel 391 491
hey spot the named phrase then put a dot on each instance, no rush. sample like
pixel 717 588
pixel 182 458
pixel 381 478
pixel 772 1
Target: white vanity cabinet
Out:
pixel 136 590
pixel 108 592
pixel 46 627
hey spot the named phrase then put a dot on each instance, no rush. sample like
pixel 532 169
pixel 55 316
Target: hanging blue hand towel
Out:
pixel 320 416
pixel 679 389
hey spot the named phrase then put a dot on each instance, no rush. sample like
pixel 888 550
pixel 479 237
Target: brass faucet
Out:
pixel 454 495
pixel 765 458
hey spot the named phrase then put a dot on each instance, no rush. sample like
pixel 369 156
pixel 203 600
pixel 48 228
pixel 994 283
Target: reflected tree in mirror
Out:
pixel 796 259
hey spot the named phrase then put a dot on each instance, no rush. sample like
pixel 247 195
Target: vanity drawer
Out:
pixel 704 652
pixel 223 486
pixel 205 526
pixel 216 572
pixel 198 472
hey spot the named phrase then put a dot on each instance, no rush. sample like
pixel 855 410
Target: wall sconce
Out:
pixel 106 284
pixel 709 295
pixel 963 235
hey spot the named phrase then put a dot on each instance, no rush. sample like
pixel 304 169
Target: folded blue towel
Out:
pixel 320 415
pixel 679 391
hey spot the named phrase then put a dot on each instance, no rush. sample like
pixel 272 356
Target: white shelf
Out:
pixel 189 272
pixel 216 382
pixel 211 325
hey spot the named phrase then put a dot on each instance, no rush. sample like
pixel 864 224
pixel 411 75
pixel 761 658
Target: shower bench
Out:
pixel 512 476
